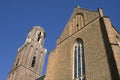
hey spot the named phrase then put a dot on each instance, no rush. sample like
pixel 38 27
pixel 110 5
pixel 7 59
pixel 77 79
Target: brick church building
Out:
pixel 87 49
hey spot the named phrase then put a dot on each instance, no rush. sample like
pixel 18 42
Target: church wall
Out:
pixel 51 68
pixel 24 74
pixel 113 38
pixel 116 50
pixel 88 16
pixel 96 64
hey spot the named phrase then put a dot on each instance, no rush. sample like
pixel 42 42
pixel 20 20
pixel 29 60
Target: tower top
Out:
pixel 36 35
pixel 30 57
pixel 77 6
pixel 37 28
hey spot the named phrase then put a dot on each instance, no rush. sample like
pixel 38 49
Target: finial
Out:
pixel 77 6
pixel 100 12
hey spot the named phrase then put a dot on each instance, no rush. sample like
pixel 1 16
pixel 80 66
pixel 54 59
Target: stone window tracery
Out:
pixel 79 65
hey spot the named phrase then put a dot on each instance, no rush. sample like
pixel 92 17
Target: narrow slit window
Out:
pixel 33 61
pixel 39 36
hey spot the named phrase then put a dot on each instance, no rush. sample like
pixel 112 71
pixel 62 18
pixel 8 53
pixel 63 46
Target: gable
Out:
pixel 79 19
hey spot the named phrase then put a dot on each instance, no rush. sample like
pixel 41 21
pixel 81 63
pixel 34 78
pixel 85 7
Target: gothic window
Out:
pixel 39 36
pixel 79 65
pixel 33 61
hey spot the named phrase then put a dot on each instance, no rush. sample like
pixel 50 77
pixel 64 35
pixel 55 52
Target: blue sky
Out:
pixel 17 17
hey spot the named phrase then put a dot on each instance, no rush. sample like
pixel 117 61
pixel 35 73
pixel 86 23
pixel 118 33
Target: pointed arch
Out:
pixel 77 22
pixel 78 60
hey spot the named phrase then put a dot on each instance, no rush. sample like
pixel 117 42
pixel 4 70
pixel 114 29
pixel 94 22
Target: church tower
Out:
pixel 30 57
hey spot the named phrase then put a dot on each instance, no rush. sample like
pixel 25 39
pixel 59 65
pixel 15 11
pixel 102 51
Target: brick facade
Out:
pixel 101 49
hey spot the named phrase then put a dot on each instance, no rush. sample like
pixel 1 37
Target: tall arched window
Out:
pixel 79 65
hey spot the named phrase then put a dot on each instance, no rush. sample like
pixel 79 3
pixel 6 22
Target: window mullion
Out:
pixel 77 61
pixel 81 61
pixel 79 68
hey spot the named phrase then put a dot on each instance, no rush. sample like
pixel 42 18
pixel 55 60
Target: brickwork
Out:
pixel 101 43
pixel 114 39
pixel 98 53
pixel 29 61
